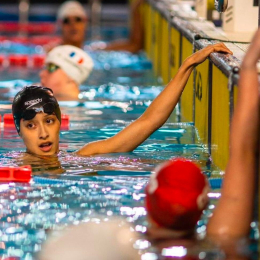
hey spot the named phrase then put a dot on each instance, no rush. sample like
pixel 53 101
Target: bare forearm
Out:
pixel 156 114
pixel 244 128
pixel 163 105
pixel 233 214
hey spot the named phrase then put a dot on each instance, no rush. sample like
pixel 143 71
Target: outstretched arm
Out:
pixel 156 114
pixel 233 213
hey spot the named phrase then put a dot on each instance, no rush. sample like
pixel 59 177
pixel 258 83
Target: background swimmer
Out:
pixel 72 22
pixel 66 67
pixel 40 130
pixel 72 19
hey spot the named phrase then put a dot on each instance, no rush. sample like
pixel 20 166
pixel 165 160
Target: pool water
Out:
pixel 69 189
pixel 116 76
pixel 96 120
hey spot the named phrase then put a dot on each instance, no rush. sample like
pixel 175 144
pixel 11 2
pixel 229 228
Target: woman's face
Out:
pixel 41 134
pixel 73 30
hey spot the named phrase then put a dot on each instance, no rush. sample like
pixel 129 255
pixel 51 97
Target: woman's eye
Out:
pixel 49 121
pixel 30 125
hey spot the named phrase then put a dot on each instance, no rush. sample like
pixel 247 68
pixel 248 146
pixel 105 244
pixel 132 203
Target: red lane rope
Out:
pixel 15 27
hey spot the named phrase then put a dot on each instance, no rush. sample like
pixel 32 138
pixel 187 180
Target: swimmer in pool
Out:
pixel 66 67
pixel 233 214
pixel 72 22
pixel 37 115
pixel 72 19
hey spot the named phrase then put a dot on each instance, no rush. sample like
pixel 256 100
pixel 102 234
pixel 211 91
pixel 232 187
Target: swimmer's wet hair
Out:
pixel 31 100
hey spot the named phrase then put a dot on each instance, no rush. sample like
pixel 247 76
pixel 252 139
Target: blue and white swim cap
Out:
pixel 75 62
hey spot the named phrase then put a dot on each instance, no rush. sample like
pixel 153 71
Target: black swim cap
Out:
pixel 32 100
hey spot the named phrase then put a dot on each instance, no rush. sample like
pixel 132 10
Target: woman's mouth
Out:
pixel 46 147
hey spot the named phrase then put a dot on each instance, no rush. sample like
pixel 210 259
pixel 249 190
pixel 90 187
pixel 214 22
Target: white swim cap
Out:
pixel 76 63
pixel 71 8
pixel 103 241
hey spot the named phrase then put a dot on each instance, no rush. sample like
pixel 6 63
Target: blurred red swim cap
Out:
pixel 176 194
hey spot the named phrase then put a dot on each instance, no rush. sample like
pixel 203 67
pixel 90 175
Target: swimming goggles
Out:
pixel 68 20
pixel 48 108
pixel 50 67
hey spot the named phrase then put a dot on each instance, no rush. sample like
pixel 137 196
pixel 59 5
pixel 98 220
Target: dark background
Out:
pixel 8 2
pixel 46 10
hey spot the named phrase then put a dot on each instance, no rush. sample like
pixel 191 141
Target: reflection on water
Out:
pixel 115 89
pixel 30 211
pixel 203 249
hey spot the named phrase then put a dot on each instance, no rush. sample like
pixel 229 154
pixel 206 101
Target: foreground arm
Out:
pixel 233 214
pixel 156 114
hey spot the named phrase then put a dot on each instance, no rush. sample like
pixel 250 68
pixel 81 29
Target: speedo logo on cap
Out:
pixel 33 102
